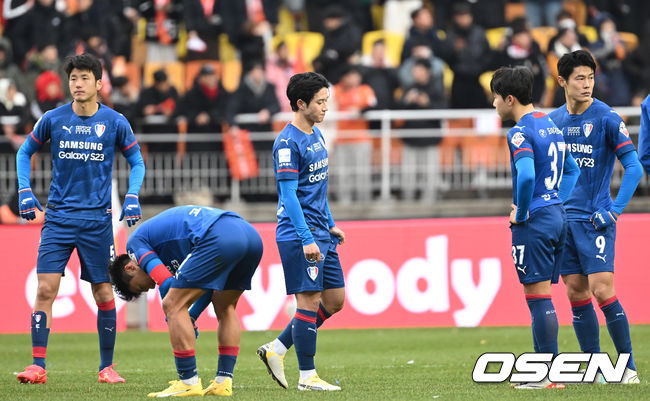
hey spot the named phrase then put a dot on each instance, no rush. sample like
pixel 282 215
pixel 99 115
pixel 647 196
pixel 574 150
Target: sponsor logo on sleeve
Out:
pixel 517 139
pixel 623 129
pixel 284 155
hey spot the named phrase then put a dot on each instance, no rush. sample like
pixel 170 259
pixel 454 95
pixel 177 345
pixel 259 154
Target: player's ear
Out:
pixel 561 81
pixel 131 267
pixel 98 85
pixel 301 104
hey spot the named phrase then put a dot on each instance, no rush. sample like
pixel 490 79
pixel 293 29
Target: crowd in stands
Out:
pixel 192 65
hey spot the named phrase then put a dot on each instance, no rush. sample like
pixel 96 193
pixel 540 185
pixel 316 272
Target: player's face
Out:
pixel 83 85
pixel 580 85
pixel 140 281
pixel 504 109
pixel 316 109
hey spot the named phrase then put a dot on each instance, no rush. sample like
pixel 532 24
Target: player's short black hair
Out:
pixel 305 86
pixel 119 279
pixel 515 81
pixel 567 63
pixel 84 62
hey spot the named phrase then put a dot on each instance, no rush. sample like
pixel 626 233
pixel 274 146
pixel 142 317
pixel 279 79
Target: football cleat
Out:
pixel 315 383
pixel 598 379
pixel 108 375
pixel 274 363
pixel 33 374
pixel 223 389
pixel 630 377
pixel 544 384
pixel 179 389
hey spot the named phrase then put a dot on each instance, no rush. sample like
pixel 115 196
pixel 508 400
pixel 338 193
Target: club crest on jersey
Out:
pixel 312 272
pixel 517 139
pixel 99 129
pixel 587 127
pixel 623 129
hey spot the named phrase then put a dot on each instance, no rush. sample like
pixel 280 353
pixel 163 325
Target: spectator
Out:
pixel 420 156
pixel 157 106
pixel 8 69
pixel 342 40
pixel 419 51
pixel 49 93
pixel 467 52
pixel 162 28
pixel 279 69
pixel 353 143
pixel 255 95
pixel 565 22
pixel 125 98
pixel 41 21
pixel 204 106
pixel 422 31
pixel 249 25
pixel 637 63
pixel 204 25
pixel 542 12
pixel 90 17
pixel 14 13
pixel 13 115
pixel 521 49
pixel 380 76
pixel 609 52
pixel 46 59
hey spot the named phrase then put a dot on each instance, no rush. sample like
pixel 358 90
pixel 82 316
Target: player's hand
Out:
pixel 312 252
pixel 338 233
pixel 131 209
pixel 27 204
pixel 601 219
pixel 513 215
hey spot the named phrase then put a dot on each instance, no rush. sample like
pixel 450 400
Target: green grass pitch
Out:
pixel 392 364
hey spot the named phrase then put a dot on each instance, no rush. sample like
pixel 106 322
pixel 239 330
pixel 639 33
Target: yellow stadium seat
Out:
pixel 394 43
pixel 495 36
pixel 543 35
pixel 589 31
pixel 227 51
pixel 309 44
pixel 175 72
pixel 231 75
pixel 630 39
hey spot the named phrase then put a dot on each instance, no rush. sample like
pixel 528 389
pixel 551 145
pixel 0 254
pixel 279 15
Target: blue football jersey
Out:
pixel 595 138
pixel 303 157
pixel 83 150
pixel 171 234
pixel 537 137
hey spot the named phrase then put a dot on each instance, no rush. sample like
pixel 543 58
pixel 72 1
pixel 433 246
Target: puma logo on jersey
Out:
pixel 602 257
pixel 69 129
pixel 522 269
pixel 285 141
pixel 310 149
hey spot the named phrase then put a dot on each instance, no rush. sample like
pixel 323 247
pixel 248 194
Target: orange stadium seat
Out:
pixel 175 71
pixel 394 43
pixel 630 39
pixel 231 75
pixel 303 47
pixel 193 67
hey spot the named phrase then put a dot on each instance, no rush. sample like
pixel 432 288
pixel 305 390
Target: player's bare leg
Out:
pixel 48 288
pixel 332 300
pixel 106 328
pixel 229 333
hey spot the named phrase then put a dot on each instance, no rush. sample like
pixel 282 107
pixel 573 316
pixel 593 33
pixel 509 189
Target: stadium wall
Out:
pixel 399 273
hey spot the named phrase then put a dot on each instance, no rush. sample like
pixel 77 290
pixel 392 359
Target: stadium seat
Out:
pixel 484 79
pixel 543 35
pixel 303 47
pixel 514 10
pixel 175 71
pixel 630 39
pixel 495 36
pixel 227 51
pixel 231 75
pixel 394 43
pixel 193 67
pixel 589 31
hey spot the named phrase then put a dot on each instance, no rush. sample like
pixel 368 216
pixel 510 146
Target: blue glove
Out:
pixel 27 204
pixel 602 219
pixel 164 287
pixel 131 209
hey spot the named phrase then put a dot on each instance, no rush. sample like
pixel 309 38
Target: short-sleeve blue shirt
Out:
pixel 595 138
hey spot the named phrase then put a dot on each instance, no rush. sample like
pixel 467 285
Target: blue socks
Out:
pixel 106 327
pixel 585 324
pixel 40 334
pixel 227 360
pixel 304 338
pixel 286 337
pixel 618 327
pixel 545 326
pixel 185 364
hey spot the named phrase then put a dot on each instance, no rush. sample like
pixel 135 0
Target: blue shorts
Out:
pixel 537 245
pixel 224 259
pixel 301 275
pixel 92 238
pixel 588 250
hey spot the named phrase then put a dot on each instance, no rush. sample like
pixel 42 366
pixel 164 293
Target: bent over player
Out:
pixel 596 135
pixel 306 234
pixel 191 250
pixel 543 174
pixel 85 136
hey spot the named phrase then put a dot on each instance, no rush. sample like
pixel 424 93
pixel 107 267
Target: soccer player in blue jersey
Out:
pixel 192 252
pixel 543 174
pixel 85 136
pixel 644 135
pixel 306 234
pixel 596 135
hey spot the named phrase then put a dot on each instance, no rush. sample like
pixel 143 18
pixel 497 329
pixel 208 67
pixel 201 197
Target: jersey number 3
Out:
pixel 557 165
